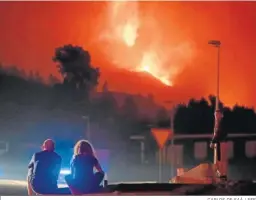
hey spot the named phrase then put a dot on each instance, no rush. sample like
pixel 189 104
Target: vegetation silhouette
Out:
pixel 74 64
pixel 25 99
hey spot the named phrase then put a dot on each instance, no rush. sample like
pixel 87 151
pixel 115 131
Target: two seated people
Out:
pixel 44 169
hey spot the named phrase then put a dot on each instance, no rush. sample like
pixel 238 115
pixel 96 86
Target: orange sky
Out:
pixel 177 31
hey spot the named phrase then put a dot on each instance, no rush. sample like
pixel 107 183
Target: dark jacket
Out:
pixel 44 169
pixel 220 133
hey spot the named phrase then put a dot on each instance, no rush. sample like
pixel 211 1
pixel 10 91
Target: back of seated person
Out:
pixel 43 171
pixel 83 179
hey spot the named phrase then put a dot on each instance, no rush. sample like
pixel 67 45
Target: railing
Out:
pixel 202 136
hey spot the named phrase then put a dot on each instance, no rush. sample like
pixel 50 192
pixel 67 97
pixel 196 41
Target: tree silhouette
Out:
pixel 74 64
pixel 52 80
pixel 23 100
pixel 13 71
pixel 128 121
pixel 129 109
pixel 35 76
pixel 195 117
pixel 105 87
pixel 105 108
pixel 151 97
pixel 212 100
pixel 198 117
pixel 163 118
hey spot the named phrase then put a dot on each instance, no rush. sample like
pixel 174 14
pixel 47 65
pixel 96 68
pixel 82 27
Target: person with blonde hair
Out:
pixel 82 178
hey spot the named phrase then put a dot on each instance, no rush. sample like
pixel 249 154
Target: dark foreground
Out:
pixel 12 187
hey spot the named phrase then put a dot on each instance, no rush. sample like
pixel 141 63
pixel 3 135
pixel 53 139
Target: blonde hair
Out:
pixel 84 147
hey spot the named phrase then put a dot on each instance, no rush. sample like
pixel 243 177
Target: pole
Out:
pixel 218 79
pixel 142 149
pixel 217 145
pixel 172 141
pixel 160 166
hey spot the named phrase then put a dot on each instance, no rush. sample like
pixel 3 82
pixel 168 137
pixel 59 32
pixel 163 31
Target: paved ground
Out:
pixel 15 187
pixel 12 188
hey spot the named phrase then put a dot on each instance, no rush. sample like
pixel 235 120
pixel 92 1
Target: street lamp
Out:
pixel 217 43
pixel 216 147
pixel 88 132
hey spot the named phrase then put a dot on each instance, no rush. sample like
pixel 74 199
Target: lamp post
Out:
pixel 216 146
pixel 88 131
pixel 217 43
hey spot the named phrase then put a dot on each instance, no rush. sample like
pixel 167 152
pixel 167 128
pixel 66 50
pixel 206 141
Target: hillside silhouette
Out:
pixel 27 97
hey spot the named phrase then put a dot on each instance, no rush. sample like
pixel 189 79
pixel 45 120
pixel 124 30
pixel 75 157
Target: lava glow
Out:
pixel 124 21
pixel 129 34
pixel 149 61
pixel 150 64
pixel 163 62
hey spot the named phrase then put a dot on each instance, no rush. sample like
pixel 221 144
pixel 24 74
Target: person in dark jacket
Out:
pixel 43 171
pixel 220 134
pixel 218 144
pixel 82 178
